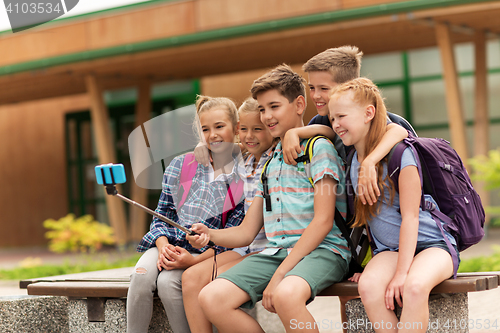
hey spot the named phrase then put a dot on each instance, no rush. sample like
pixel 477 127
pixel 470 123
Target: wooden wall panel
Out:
pixel 98 32
pixel 38 44
pixel 348 4
pixel 147 24
pixel 237 87
pixel 211 14
pixel 33 169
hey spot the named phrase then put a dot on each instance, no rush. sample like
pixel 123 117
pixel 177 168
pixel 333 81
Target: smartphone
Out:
pixel 110 174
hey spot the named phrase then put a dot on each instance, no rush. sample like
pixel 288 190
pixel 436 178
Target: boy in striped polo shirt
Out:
pixel 306 252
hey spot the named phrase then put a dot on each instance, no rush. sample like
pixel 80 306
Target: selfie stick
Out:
pixel 111 190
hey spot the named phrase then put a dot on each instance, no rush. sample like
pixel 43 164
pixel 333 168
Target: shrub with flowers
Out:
pixel 82 234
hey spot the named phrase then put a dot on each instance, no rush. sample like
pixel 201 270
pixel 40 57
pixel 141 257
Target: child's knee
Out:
pixel 211 297
pixel 193 279
pixel 291 292
pixel 415 289
pixel 367 287
pixel 141 271
pixel 143 281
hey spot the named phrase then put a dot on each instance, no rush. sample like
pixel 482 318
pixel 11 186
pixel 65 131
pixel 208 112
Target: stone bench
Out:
pixel 33 314
pixel 96 301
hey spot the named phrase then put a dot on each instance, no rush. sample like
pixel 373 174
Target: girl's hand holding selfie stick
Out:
pixel 111 174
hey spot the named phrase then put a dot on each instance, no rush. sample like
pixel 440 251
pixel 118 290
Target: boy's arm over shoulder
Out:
pixel 367 181
pixel 291 141
pixel 394 134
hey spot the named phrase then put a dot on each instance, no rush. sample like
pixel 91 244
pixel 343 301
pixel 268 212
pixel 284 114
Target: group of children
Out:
pixel 278 242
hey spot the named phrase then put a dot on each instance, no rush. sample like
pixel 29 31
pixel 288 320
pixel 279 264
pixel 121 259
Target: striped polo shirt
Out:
pixel 292 197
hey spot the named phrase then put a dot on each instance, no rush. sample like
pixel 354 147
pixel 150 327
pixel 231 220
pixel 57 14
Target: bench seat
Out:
pixel 114 284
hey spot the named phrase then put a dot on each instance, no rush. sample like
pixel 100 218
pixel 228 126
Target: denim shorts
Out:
pixel 441 245
pixel 427 245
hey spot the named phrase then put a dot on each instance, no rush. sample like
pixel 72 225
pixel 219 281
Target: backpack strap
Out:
pixel 308 155
pixel 438 216
pixel 188 172
pixel 348 182
pixel 341 224
pixel 265 185
pixel 351 208
pixel 394 165
pixel 234 192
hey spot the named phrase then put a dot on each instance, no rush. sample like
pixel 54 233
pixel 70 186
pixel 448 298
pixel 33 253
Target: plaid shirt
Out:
pixel 251 178
pixel 204 205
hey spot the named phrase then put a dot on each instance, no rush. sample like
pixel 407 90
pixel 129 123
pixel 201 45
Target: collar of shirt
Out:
pixel 279 149
pixel 251 157
pixel 208 172
pixel 247 169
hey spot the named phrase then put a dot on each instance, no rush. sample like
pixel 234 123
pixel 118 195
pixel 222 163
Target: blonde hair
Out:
pixel 343 63
pixel 283 79
pixel 207 103
pixel 365 93
pixel 250 105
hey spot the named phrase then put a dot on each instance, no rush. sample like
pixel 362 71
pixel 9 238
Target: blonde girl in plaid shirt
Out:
pixel 167 254
pixel 257 145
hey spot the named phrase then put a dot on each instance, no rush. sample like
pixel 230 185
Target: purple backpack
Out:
pixel 445 178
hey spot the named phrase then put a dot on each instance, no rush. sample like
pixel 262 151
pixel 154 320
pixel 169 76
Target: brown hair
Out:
pixel 206 103
pixel 283 79
pixel 365 93
pixel 343 63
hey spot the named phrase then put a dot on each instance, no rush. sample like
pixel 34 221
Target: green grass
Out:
pixel 482 264
pixel 86 264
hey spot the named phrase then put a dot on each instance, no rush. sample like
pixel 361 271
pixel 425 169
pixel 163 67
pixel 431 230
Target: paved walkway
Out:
pixel 484 307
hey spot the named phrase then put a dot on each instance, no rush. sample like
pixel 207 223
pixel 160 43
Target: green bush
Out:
pixel 495 222
pixel 482 264
pixel 487 169
pixel 81 234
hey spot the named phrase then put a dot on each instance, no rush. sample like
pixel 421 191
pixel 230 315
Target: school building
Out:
pixel 72 90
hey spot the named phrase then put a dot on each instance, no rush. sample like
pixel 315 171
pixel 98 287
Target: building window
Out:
pixel 85 196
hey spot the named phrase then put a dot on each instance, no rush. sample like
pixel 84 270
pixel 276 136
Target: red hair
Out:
pixel 366 93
